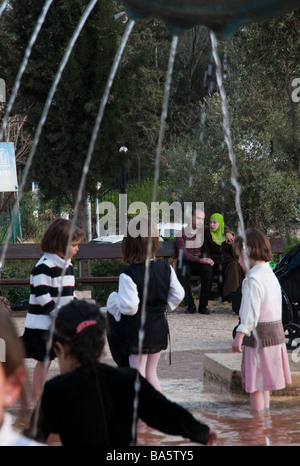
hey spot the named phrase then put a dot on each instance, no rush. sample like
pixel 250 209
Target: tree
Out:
pixel 61 152
pixel 201 172
pixel 263 61
pixel 264 126
pixel 141 88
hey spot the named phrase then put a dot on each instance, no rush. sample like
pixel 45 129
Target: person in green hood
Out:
pixel 226 265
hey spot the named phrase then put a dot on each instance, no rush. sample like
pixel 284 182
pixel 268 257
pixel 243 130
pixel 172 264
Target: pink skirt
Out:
pixel 275 369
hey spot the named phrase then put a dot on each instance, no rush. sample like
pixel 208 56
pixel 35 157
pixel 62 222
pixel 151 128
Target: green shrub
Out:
pixel 290 242
pixel 16 269
pixel 106 268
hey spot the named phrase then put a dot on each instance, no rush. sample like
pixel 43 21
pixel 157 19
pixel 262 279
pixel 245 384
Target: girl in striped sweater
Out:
pixel 45 281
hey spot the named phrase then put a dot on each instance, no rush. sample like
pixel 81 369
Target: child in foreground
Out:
pixel 260 311
pixel 91 403
pixel 45 280
pixel 12 377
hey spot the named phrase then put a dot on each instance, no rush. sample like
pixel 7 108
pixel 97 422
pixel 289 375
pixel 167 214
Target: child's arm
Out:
pixel 176 291
pixel 41 281
pixel 237 342
pixel 252 297
pixel 167 416
pixel 126 300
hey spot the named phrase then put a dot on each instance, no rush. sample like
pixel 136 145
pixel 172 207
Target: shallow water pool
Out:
pixel 233 421
pixel 237 426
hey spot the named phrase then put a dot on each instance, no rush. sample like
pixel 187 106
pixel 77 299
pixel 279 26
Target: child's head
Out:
pixel 135 242
pixel 55 239
pixel 259 248
pixel 12 371
pixel 80 333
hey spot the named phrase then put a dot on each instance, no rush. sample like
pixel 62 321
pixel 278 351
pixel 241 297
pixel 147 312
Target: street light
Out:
pixel 123 150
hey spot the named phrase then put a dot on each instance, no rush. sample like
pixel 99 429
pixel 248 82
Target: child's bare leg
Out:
pixel 259 400
pixel 37 381
pixel 138 363
pixel 151 370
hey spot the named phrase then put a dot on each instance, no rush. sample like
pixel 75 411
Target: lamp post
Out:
pixel 122 150
pixel 98 186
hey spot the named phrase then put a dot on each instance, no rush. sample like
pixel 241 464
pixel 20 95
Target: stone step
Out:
pixel 223 372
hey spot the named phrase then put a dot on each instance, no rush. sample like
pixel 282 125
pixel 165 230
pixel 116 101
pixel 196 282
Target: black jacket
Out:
pixel 96 409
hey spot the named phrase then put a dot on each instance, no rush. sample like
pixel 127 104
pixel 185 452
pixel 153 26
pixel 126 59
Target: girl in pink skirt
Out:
pixel 265 365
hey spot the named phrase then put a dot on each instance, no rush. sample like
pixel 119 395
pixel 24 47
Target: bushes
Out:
pixel 16 269
pixel 106 268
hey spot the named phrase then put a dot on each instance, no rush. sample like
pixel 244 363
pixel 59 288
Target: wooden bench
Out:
pixel 94 251
pixel 89 251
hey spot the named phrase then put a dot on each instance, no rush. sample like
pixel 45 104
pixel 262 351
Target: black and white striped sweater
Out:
pixel 45 280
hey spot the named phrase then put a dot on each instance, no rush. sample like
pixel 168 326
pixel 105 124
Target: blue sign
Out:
pixel 8 171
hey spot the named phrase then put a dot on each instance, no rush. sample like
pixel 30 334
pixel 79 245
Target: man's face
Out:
pixel 198 219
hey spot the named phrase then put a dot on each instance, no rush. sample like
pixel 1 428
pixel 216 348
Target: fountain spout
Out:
pixel 224 17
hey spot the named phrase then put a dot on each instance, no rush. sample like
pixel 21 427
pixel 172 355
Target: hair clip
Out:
pixel 84 324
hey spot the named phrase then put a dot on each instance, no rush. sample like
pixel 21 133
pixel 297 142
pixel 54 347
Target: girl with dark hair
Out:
pixel 265 364
pixel 125 306
pixel 91 403
pixel 45 283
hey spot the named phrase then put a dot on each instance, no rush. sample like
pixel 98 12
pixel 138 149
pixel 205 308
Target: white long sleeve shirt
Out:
pixel 126 300
pixel 261 298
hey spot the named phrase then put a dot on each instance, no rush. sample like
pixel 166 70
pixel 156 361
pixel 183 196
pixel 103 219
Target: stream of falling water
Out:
pixel 227 135
pixel 3 6
pixel 43 118
pixel 235 183
pixel 85 170
pixel 149 245
pixel 24 63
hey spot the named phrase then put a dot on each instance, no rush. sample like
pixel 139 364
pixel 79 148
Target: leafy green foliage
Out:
pixel 262 61
pixel 66 135
pixel 106 268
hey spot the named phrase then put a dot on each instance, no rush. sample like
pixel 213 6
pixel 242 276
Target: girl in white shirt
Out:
pixel 125 306
pixel 260 323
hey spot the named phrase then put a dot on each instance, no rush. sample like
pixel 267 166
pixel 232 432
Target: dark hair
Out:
pixel 134 249
pixel 258 244
pixel 81 326
pixel 56 236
